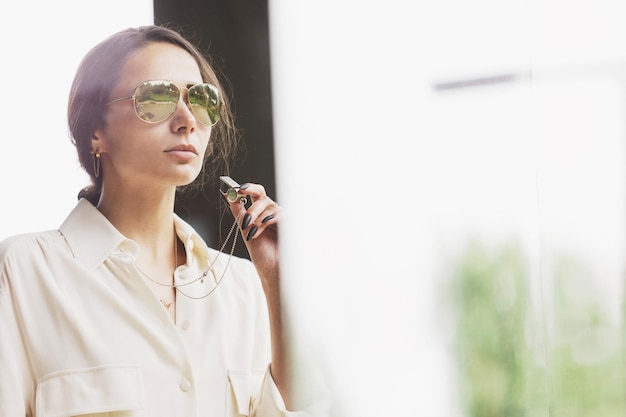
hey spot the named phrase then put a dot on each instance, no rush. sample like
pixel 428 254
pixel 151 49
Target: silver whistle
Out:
pixel 232 194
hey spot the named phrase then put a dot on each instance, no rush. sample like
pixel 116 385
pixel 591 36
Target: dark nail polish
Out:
pixel 267 218
pixel 252 232
pixel 244 186
pixel 246 221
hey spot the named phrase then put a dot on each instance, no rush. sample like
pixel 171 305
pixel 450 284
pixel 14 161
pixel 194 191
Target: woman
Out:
pixel 124 310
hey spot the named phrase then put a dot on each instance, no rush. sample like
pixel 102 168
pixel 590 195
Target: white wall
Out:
pixel 42 43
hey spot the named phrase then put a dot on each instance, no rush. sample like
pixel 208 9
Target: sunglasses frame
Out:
pixel 179 86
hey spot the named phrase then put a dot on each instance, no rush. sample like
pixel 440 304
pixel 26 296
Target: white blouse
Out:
pixel 82 333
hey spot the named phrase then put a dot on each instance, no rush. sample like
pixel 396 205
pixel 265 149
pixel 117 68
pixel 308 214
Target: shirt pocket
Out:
pixel 111 390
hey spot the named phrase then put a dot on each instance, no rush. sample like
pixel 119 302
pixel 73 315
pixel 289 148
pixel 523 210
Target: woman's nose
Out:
pixel 183 117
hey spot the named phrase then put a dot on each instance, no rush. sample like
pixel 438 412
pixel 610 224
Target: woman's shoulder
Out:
pixel 26 245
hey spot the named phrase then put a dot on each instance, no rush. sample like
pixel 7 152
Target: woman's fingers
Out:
pixel 262 213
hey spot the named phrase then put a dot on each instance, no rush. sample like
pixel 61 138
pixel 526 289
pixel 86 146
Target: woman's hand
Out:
pixel 259 227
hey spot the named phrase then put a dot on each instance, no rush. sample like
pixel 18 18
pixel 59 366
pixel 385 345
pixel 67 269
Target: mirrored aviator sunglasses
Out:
pixel 156 100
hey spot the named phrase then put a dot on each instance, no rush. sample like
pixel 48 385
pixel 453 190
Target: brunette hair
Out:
pixel 99 72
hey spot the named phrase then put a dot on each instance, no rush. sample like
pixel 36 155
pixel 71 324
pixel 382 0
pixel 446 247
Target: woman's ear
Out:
pixel 97 143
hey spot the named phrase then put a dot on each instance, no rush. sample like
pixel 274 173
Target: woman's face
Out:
pixel 147 155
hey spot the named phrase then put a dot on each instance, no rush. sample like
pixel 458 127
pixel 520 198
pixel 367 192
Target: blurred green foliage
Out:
pixel 542 347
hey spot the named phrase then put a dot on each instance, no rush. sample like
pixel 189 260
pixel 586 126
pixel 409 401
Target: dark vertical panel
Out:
pixel 235 33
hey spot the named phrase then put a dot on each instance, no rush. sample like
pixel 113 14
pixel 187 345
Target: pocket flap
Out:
pixel 89 390
pixel 240 383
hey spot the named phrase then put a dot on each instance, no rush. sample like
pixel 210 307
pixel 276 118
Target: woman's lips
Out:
pixel 183 152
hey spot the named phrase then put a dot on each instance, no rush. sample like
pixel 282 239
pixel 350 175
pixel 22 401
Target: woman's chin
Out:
pixel 187 180
pixel 187 176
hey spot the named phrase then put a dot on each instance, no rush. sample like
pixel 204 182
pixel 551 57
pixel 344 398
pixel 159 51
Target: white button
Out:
pixel 185 325
pixel 184 385
pixel 190 244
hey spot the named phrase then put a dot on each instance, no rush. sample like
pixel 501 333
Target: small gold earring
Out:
pixel 96 163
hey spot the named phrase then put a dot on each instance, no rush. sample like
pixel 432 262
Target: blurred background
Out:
pixel 453 173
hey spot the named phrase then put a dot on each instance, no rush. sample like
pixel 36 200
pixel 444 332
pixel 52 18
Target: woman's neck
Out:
pixel 144 217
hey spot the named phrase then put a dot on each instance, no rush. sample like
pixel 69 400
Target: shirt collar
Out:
pixel 92 238
pixel 194 244
pixel 90 235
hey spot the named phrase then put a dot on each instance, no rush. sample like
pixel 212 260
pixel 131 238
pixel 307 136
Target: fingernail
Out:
pixel 252 232
pixel 244 186
pixel 267 218
pixel 246 221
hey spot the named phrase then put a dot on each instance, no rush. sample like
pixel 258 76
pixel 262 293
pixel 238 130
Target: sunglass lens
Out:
pixel 204 101
pixel 156 100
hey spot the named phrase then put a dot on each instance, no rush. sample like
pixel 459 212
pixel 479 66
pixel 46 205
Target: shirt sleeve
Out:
pixel 16 387
pixel 267 400
pixel 271 404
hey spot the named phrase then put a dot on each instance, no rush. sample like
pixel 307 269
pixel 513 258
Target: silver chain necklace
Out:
pixel 177 287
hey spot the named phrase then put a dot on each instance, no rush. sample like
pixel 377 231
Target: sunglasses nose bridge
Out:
pixel 183 94
pixel 183 98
